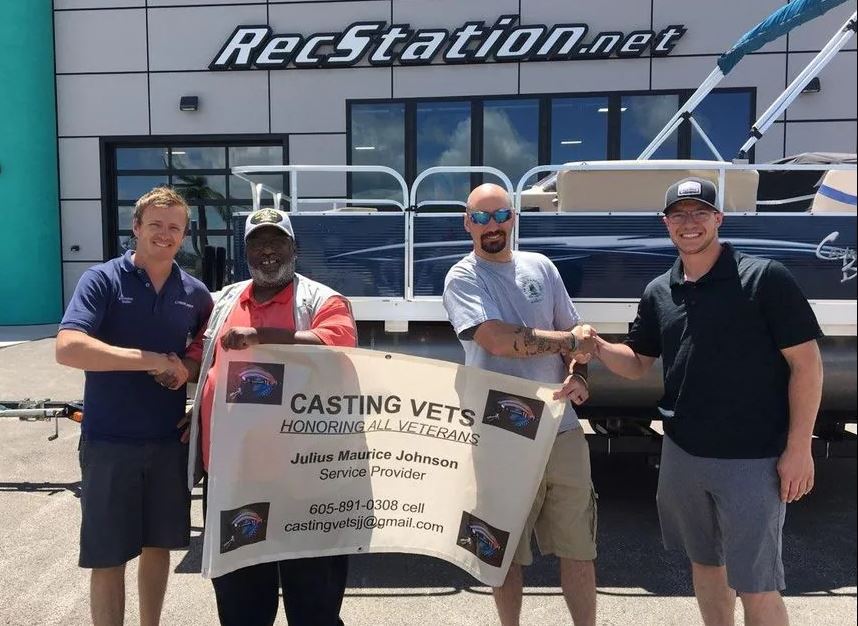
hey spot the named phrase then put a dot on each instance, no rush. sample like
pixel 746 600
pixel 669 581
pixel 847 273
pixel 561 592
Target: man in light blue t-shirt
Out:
pixel 512 314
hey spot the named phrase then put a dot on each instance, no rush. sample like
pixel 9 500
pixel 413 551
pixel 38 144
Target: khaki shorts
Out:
pixel 564 511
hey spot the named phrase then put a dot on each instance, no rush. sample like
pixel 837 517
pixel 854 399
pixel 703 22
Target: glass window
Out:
pixel 725 118
pixel 378 138
pixel 141 158
pixel 207 158
pixel 641 118
pixel 200 187
pixel 443 138
pixel 579 129
pixel 201 174
pixel 129 188
pixel 125 214
pixel 511 136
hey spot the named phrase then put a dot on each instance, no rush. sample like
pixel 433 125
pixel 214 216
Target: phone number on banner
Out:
pixel 346 506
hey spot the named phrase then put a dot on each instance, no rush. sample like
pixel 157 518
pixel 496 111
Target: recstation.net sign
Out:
pixel 258 47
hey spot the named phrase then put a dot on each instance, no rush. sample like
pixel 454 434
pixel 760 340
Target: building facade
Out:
pixel 179 91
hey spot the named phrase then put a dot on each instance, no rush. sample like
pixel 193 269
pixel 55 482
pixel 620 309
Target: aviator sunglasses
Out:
pixel 484 217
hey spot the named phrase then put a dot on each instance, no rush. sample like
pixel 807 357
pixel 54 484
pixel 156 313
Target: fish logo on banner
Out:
pixel 516 414
pixel 254 383
pixel 482 539
pixel 243 526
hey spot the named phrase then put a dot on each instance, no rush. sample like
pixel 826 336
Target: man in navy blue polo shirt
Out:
pixel 742 387
pixel 127 326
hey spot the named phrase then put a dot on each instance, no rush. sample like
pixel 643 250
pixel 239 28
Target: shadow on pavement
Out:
pixel 48 488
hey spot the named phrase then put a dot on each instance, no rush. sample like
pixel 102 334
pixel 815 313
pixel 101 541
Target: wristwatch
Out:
pixel 574 342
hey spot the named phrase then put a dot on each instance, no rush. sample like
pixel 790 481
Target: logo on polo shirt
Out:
pixel 243 526
pixel 482 539
pixel 689 188
pixel 187 305
pixel 126 299
pixel 254 383
pixel 516 414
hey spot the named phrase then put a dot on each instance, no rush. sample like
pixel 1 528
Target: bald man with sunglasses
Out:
pixel 513 315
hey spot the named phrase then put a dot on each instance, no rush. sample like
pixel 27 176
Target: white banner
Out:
pixel 323 451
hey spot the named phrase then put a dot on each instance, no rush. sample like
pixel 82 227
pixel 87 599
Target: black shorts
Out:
pixel 133 496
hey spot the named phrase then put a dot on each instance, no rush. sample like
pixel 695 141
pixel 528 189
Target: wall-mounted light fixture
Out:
pixel 813 86
pixel 189 103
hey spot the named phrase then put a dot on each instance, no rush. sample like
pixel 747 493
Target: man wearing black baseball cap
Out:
pixel 742 387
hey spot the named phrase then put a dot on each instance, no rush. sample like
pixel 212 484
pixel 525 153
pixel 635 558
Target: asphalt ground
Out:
pixel 638 582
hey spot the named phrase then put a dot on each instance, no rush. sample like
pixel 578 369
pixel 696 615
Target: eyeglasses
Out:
pixel 681 217
pixel 484 217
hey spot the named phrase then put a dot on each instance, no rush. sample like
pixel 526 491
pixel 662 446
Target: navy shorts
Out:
pixel 133 496
pixel 724 512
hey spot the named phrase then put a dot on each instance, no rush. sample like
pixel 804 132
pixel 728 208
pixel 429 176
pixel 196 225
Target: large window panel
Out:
pixel 141 158
pixel 129 188
pixel 195 188
pixel 511 136
pixel 724 117
pixel 377 138
pixel 201 174
pixel 443 138
pixel 579 129
pixel 202 158
pixel 641 119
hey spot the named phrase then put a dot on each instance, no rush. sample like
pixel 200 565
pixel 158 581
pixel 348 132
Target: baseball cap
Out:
pixel 270 218
pixel 698 189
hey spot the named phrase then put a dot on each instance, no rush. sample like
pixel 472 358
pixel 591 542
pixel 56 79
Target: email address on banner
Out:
pixel 361 522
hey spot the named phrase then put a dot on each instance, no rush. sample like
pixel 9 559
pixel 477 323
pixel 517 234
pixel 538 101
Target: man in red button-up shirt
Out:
pixel 265 312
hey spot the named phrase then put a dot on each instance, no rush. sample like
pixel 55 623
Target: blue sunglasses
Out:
pixel 484 217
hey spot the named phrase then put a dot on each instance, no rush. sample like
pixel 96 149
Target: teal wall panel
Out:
pixel 30 262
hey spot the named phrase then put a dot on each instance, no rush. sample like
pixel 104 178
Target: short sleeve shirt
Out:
pixel 720 339
pixel 526 291
pixel 333 324
pixel 116 303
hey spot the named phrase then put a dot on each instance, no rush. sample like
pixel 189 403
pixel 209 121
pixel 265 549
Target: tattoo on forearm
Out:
pixel 534 345
pixel 517 341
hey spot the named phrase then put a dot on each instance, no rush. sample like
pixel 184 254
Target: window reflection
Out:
pixel 443 138
pixel 201 175
pixel 129 188
pixel 207 158
pixel 724 118
pixel 141 158
pixel 579 129
pixel 378 138
pixel 511 136
pixel 641 119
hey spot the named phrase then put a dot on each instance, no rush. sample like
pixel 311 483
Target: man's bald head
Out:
pixel 488 196
pixel 491 237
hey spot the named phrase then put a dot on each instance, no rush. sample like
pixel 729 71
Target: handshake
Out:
pixel 170 372
pixel 580 344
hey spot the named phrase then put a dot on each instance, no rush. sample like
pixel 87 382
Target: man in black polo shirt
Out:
pixel 742 387
pixel 127 326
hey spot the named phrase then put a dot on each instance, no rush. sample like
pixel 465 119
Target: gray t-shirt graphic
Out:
pixel 527 291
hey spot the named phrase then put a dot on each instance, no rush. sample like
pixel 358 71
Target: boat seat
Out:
pixel 643 190
pixel 837 193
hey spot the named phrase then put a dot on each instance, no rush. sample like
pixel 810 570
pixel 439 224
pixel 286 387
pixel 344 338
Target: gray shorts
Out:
pixel 724 512
pixel 133 496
